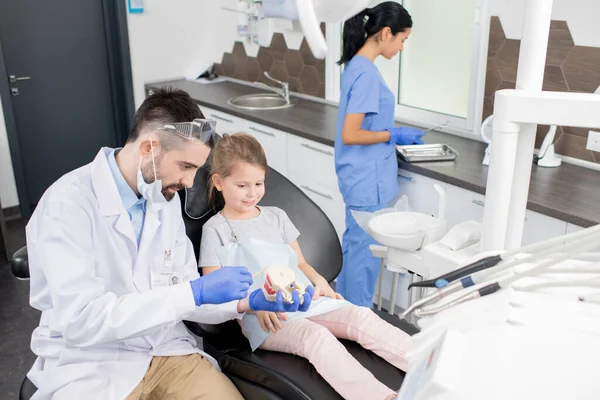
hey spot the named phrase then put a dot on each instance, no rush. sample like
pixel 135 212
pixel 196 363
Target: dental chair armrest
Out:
pixel 20 264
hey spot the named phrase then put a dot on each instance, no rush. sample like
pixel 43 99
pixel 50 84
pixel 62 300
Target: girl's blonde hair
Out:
pixel 231 150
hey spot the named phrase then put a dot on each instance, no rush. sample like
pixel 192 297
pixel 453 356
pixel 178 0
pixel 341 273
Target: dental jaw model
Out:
pixel 281 279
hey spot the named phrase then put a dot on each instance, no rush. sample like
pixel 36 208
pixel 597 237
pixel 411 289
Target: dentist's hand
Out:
pixel 406 135
pixel 258 301
pixel 221 286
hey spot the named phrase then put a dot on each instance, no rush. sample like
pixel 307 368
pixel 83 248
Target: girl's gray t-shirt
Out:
pixel 271 225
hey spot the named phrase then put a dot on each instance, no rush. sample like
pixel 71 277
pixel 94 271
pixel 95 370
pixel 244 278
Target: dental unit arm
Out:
pixel 306 14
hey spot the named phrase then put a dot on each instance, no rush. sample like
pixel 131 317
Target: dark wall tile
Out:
pixel 293 63
pixel 582 69
pixel 560 43
pixel 554 79
pixel 307 56
pixel 279 71
pixel 227 64
pixel 310 80
pixel 508 59
pixel 492 78
pixel 278 46
pixel 265 58
pixel 239 53
pixel 296 85
pixel 596 156
pixel 583 132
pixel 574 146
pixel 239 72
pixel 253 70
pixel 488 108
pixel 497 36
pixel 541 132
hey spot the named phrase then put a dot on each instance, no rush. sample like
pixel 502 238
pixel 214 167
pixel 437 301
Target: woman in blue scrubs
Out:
pixel 365 157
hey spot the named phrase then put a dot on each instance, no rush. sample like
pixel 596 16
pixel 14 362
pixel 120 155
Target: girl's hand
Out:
pixel 322 288
pixel 270 321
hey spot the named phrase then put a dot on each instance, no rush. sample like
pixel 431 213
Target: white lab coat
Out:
pixel 101 320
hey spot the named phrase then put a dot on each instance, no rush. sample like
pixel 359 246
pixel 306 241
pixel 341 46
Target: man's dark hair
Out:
pixel 164 106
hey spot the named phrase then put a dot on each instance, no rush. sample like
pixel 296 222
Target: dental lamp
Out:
pixel 307 15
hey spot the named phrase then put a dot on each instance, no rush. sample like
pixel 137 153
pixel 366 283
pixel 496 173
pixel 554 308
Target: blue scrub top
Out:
pixel 367 174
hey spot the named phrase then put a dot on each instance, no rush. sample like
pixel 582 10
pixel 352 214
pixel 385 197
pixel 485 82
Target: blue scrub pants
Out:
pixel 359 273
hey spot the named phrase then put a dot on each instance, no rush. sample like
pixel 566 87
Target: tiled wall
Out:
pixel 569 68
pixel 299 68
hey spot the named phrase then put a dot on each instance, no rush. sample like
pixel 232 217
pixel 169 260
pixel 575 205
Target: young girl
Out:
pixel 238 173
pixel 365 155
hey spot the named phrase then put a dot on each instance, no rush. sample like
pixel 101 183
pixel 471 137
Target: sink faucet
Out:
pixel 283 92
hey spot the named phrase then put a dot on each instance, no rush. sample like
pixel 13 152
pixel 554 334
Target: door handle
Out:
pixel 263 132
pixel 479 203
pixel 327 196
pixel 308 146
pixel 406 178
pixel 15 79
pixel 221 118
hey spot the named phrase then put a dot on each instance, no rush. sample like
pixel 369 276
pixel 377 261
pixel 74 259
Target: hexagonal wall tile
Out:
pixel 279 71
pixel 581 69
pixel 239 53
pixel 295 85
pixel 227 64
pixel 492 77
pixel 560 43
pixel 310 80
pixel 252 69
pixel 293 62
pixel 508 60
pixel 554 79
pixel 574 146
pixel 307 56
pixel 497 36
pixel 265 58
pixel 278 47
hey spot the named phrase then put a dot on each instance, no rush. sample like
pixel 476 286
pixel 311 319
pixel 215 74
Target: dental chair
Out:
pixel 266 375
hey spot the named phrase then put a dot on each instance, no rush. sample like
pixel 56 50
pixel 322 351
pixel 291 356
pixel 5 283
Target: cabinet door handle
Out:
pixel 326 152
pixel 221 118
pixel 479 203
pixel 327 196
pixel 408 178
pixel 263 132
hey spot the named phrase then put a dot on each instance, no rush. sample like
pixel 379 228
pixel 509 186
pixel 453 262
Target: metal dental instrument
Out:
pixel 489 287
pixel 491 261
pixel 563 243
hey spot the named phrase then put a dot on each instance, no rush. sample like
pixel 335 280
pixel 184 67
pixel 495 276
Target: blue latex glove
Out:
pixel 406 135
pixel 221 286
pixel 258 301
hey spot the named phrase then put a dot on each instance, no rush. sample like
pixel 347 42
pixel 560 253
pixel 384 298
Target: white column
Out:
pixel 530 77
pixel 500 177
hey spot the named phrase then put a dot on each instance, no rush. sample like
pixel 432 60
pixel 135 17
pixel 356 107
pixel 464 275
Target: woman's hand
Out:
pixel 322 288
pixel 270 321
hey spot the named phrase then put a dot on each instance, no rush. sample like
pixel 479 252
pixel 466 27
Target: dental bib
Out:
pixel 279 264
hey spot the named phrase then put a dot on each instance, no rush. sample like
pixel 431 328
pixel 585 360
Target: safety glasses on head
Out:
pixel 200 129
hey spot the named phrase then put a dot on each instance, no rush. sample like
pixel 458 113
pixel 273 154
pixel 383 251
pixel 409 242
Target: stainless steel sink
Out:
pixel 260 101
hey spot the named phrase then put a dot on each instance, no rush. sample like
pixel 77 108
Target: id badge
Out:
pixel 163 275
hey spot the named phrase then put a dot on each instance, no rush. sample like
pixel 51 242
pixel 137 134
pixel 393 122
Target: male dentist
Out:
pixel 114 273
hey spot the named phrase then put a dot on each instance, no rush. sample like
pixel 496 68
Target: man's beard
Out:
pixel 148 175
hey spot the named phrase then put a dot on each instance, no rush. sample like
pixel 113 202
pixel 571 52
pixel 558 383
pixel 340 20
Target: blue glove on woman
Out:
pixel 405 135
pixel 222 286
pixel 258 301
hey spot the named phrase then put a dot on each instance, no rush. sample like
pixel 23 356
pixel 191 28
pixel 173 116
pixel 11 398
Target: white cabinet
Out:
pixel 274 142
pixel 225 123
pixel 463 205
pixel 540 227
pixel 420 191
pixel 312 159
pixel 328 199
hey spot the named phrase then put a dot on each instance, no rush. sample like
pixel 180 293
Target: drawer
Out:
pixel 329 200
pixel 420 191
pixel 274 142
pixel 225 123
pixel 463 205
pixel 540 227
pixel 313 160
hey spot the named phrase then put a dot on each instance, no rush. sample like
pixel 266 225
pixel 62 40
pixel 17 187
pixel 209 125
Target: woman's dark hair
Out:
pixel 357 30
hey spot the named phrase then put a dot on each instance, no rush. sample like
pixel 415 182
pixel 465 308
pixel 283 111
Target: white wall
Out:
pixel 581 16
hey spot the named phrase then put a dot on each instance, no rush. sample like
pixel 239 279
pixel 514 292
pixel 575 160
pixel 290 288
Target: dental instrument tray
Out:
pixel 426 153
